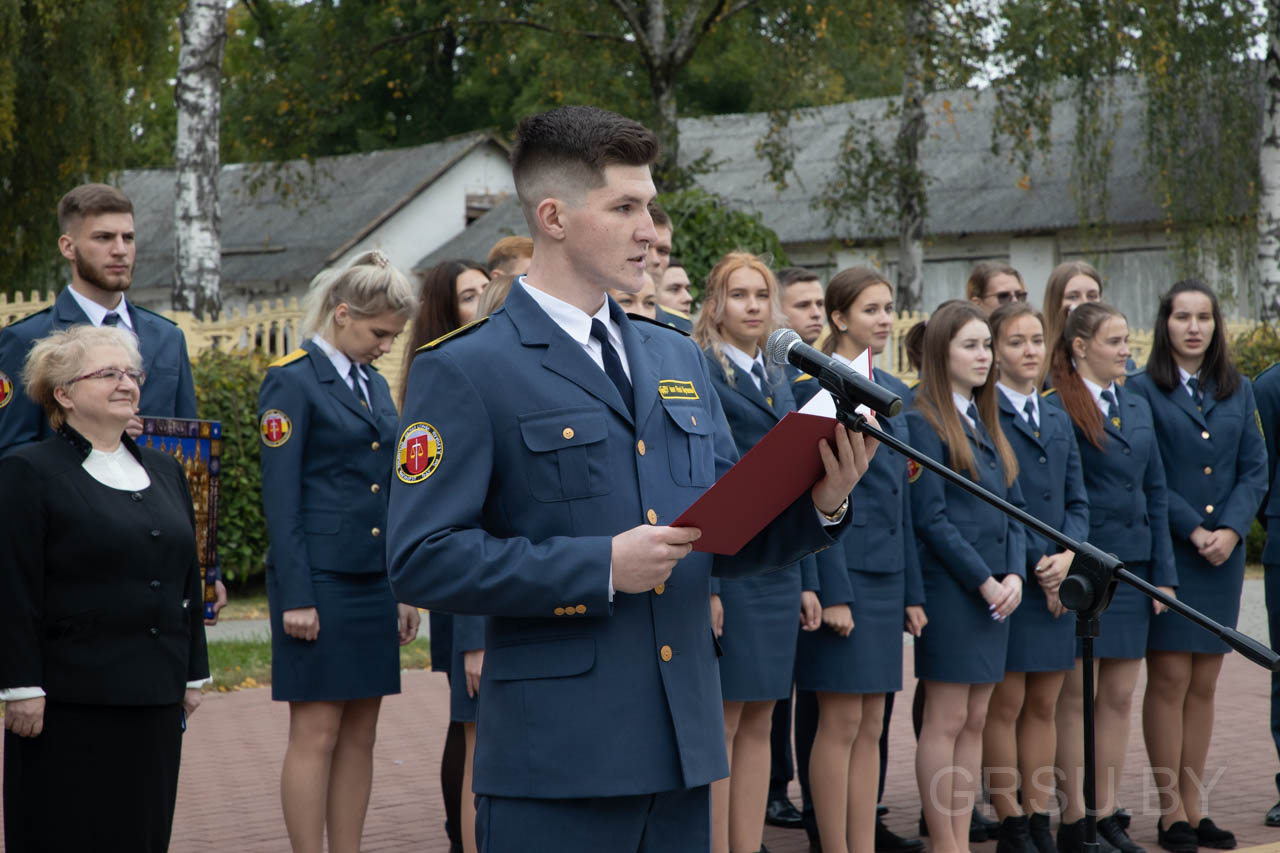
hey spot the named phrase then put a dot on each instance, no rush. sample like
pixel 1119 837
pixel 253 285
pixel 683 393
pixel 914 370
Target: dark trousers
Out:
pixel 1271 586
pixel 452 764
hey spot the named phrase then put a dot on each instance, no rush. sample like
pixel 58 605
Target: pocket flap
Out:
pixel 548 659
pixel 557 428
pixel 691 419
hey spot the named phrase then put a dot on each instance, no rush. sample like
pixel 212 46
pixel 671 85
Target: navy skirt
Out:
pixel 761 620
pixel 462 708
pixel 357 653
pixel 962 644
pixel 1038 642
pixel 1213 590
pixel 1122 628
pixel 869 660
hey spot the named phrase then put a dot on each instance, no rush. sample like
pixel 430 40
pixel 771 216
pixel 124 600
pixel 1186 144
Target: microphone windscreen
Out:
pixel 780 342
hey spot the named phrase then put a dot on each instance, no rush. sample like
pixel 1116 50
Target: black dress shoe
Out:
pixel 1178 838
pixel 1123 818
pixel 1038 831
pixel 1273 816
pixel 888 841
pixel 990 828
pixel 881 810
pixel 1110 829
pixel 783 814
pixel 1013 835
pixel 1071 839
pixel 1209 834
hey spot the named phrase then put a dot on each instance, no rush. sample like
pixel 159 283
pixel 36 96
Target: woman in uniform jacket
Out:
pixel 102 647
pixel 1018 742
pixel 869 588
pixel 972 559
pixel 1129 517
pixel 755 616
pixel 1216 466
pixel 328 428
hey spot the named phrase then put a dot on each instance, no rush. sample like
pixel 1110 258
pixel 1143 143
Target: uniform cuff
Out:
pixel 17 694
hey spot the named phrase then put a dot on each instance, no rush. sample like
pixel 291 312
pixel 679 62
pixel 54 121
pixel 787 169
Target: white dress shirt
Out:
pixel 745 362
pixel 1096 390
pixel 1019 401
pixel 96 312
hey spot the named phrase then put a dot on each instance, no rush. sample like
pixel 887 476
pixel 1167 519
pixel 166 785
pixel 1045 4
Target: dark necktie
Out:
pixel 1113 408
pixel 613 365
pixel 1194 386
pixel 112 319
pixel 357 384
pixel 757 370
pixel 1030 409
pixel 979 431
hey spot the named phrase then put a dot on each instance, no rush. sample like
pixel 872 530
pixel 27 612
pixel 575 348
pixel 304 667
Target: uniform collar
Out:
pixel 1096 390
pixel 962 404
pixel 1019 400
pixel 744 362
pixel 575 322
pixel 96 312
pixel 339 359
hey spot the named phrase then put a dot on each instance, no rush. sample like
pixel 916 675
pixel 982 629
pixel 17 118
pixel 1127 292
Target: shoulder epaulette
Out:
pixel 802 377
pixel 914 383
pixel 289 358
pixel 31 316
pixel 1048 391
pixel 677 312
pixel 458 332
pixel 152 313
pixel 659 323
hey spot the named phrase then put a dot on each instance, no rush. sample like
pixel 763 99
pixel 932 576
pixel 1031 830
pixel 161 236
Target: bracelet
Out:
pixel 838 514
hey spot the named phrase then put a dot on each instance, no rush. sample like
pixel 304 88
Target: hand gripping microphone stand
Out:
pixel 1087 589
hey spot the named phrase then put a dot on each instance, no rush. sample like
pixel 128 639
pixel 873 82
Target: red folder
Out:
pixel 769 478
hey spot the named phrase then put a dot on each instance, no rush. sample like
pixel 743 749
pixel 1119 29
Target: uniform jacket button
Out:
pixel 136 497
pixel 377 531
pixel 640 447
pixel 1208 470
pixel 155 534
pixel 1043 460
pixel 665 653
pixel 1205 435
pixel 559 611
pixel 1126 451
pixel 567 432
pixel 581 608
pixel 375 446
pixel 155 584
pixel 1209 509
pixel 155 632
pixel 660 589
pixel 652 516
pixel 375 488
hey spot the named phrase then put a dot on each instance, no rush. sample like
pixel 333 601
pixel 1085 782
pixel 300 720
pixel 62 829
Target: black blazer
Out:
pixel 99 588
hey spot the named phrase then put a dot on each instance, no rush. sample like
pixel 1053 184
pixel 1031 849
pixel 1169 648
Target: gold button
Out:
pixel 375 488
pixel 660 589
pixel 567 433
pixel 377 531
pixel 375 445
pixel 1209 508
pixel 665 653
pixel 1208 470
pixel 1205 434
pixel 652 516
pixel 693 420
pixel 581 608
pixel 559 611
pixel 640 447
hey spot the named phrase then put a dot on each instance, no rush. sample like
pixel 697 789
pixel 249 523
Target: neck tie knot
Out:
pixel 1193 385
pixel 757 370
pixel 1030 411
pixel 357 384
pixel 1113 407
pixel 112 319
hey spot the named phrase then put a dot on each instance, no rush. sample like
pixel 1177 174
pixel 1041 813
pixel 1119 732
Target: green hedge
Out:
pixel 227 390
pixel 1254 352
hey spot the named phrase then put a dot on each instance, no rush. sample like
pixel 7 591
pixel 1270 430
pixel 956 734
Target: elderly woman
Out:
pixel 102 647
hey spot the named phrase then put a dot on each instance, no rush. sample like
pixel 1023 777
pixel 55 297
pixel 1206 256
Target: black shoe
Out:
pixel 887 841
pixel 1123 818
pixel 1110 829
pixel 1071 839
pixel 1178 838
pixel 990 828
pixel 1208 834
pixel 881 810
pixel 1038 832
pixel 1013 835
pixel 1273 816
pixel 782 813
pixel 455 847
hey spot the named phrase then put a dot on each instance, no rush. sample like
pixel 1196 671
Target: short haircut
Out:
pixel 508 249
pixel 788 276
pixel 56 360
pixel 369 286
pixel 565 151
pixel 675 264
pixel 982 273
pixel 90 200
pixel 661 218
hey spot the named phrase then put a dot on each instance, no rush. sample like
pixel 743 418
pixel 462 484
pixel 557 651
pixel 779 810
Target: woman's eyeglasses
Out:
pixel 115 374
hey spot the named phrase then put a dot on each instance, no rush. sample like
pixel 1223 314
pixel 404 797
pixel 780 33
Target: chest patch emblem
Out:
pixel 914 470
pixel 6 391
pixel 419 452
pixel 275 427
pixel 677 389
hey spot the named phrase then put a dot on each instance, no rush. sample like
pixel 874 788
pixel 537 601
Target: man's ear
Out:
pixel 550 215
pixel 67 247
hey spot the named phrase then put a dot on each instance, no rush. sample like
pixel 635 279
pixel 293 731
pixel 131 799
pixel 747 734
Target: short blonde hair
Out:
pixel 370 286
pixel 58 358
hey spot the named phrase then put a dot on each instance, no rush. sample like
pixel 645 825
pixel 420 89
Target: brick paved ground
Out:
pixel 229 798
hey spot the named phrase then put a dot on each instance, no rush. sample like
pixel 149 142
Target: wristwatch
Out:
pixel 838 514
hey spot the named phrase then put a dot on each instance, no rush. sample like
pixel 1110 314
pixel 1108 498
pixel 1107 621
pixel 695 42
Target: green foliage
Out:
pixel 227 390
pixel 706 229
pixel 1256 350
pixel 1254 542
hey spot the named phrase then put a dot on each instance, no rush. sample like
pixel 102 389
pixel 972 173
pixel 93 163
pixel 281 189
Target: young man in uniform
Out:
pixel 543 453
pixel 673 309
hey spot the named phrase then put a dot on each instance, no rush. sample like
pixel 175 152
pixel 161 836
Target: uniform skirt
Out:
pixel 98 777
pixel 1039 642
pixel 1122 628
pixel 1213 590
pixel 761 620
pixel 869 660
pixel 355 656
pixel 962 644
pixel 462 708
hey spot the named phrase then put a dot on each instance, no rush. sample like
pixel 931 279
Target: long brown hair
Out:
pixel 706 328
pixel 438 308
pixel 842 291
pixel 1083 322
pixel 933 395
pixel 1054 313
pixel 1218 368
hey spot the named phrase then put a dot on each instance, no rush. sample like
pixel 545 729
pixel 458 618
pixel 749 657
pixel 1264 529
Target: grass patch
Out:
pixel 247 605
pixel 1253 571
pixel 241 664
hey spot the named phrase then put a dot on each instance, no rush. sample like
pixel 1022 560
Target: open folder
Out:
pixel 769 478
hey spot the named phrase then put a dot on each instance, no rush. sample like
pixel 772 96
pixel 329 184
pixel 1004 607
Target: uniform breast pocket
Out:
pixel 691 447
pixel 568 456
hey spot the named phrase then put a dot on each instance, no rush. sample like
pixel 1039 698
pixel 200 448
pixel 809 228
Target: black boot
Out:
pixel 1110 829
pixel 1013 835
pixel 1178 838
pixel 1071 839
pixel 1041 837
pixel 990 828
pixel 888 841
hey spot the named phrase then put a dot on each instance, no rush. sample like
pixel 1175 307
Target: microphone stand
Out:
pixel 1087 589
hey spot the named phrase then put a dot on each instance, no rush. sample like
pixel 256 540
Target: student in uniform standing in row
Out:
pixel 971 558
pixel 992 284
pixel 1207 426
pixel 1129 517
pixel 870 588
pixel 328 434
pixel 755 617
pixel 1018 742
pixel 1070 284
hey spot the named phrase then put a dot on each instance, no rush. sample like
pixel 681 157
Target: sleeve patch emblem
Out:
pixel 275 427
pixel 6 390
pixel 914 470
pixel 419 452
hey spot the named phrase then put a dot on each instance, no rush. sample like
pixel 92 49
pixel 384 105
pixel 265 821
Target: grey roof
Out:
pixel 971 190
pixel 303 214
pixel 506 219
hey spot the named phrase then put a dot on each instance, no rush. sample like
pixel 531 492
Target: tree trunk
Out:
pixel 910 180
pixel 197 283
pixel 1269 172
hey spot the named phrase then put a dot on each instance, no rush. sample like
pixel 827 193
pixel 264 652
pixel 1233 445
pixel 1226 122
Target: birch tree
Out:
pixel 1268 262
pixel 197 218
pixel 910 189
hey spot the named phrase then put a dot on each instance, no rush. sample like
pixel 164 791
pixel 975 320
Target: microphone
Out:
pixel 785 347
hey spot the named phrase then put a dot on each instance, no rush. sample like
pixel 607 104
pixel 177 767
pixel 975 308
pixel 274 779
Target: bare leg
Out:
pixel 937 768
pixel 1117 678
pixel 1197 729
pixel 839 718
pixel 1168 678
pixel 351 774
pixel 864 775
pixel 1036 738
pixel 467 809
pixel 1000 744
pixel 1070 748
pixel 304 779
pixel 964 793
pixel 720 787
pixel 749 782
